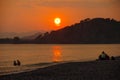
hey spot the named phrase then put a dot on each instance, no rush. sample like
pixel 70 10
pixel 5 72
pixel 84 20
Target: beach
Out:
pixel 89 70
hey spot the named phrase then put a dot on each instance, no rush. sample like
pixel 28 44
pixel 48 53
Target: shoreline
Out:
pixel 88 70
pixel 25 68
pixel 31 67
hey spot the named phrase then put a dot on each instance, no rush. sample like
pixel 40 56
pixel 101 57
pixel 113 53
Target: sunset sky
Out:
pixel 36 15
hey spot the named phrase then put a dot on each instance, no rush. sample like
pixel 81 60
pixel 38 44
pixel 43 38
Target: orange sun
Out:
pixel 57 21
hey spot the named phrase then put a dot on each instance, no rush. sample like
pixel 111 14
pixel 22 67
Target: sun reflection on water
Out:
pixel 57 54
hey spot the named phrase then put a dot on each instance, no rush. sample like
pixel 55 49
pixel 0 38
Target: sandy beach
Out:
pixel 90 70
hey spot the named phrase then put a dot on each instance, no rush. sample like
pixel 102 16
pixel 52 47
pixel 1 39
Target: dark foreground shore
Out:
pixel 93 70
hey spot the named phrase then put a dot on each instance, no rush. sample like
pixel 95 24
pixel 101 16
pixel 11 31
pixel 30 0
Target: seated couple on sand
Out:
pixel 16 63
pixel 104 56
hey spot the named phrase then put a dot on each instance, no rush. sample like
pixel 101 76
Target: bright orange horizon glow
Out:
pixel 57 21
pixel 56 54
pixel 36 15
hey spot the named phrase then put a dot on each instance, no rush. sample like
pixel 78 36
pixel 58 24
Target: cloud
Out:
pixel 65 3
pixel 75 3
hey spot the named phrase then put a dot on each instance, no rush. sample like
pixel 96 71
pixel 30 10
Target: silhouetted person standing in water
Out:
pixel 18 63
pixel 14 63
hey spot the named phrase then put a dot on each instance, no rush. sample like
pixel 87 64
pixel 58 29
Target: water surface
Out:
pixel 42 53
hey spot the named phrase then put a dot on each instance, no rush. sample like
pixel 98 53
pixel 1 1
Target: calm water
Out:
pixel 41 53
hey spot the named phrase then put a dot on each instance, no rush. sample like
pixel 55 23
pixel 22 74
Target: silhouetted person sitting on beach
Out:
pixel 112 58
pixel 104 56
pixel 16 63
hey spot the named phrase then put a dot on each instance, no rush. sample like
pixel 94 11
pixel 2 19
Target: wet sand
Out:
pixel 90 70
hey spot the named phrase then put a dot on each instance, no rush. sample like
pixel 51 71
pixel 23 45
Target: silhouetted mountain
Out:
pixel 91 31
pixel 97 30
pixel 19 38
pixel 31 37
pixel 20 34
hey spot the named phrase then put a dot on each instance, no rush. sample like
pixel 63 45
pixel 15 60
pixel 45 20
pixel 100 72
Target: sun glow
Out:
pixel 57 21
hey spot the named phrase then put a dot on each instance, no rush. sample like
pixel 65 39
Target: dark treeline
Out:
pixel 89 31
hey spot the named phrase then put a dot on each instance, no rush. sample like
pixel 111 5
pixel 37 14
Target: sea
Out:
pixel 33 56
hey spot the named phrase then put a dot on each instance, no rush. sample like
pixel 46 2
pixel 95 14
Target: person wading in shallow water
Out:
pixel 16 63
pixel 104 56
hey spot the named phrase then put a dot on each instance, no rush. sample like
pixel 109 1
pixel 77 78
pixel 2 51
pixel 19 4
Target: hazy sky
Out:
pixel 35 15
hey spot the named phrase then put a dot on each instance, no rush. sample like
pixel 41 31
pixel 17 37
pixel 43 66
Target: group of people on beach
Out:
pixel 16 63
pixel 104 56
